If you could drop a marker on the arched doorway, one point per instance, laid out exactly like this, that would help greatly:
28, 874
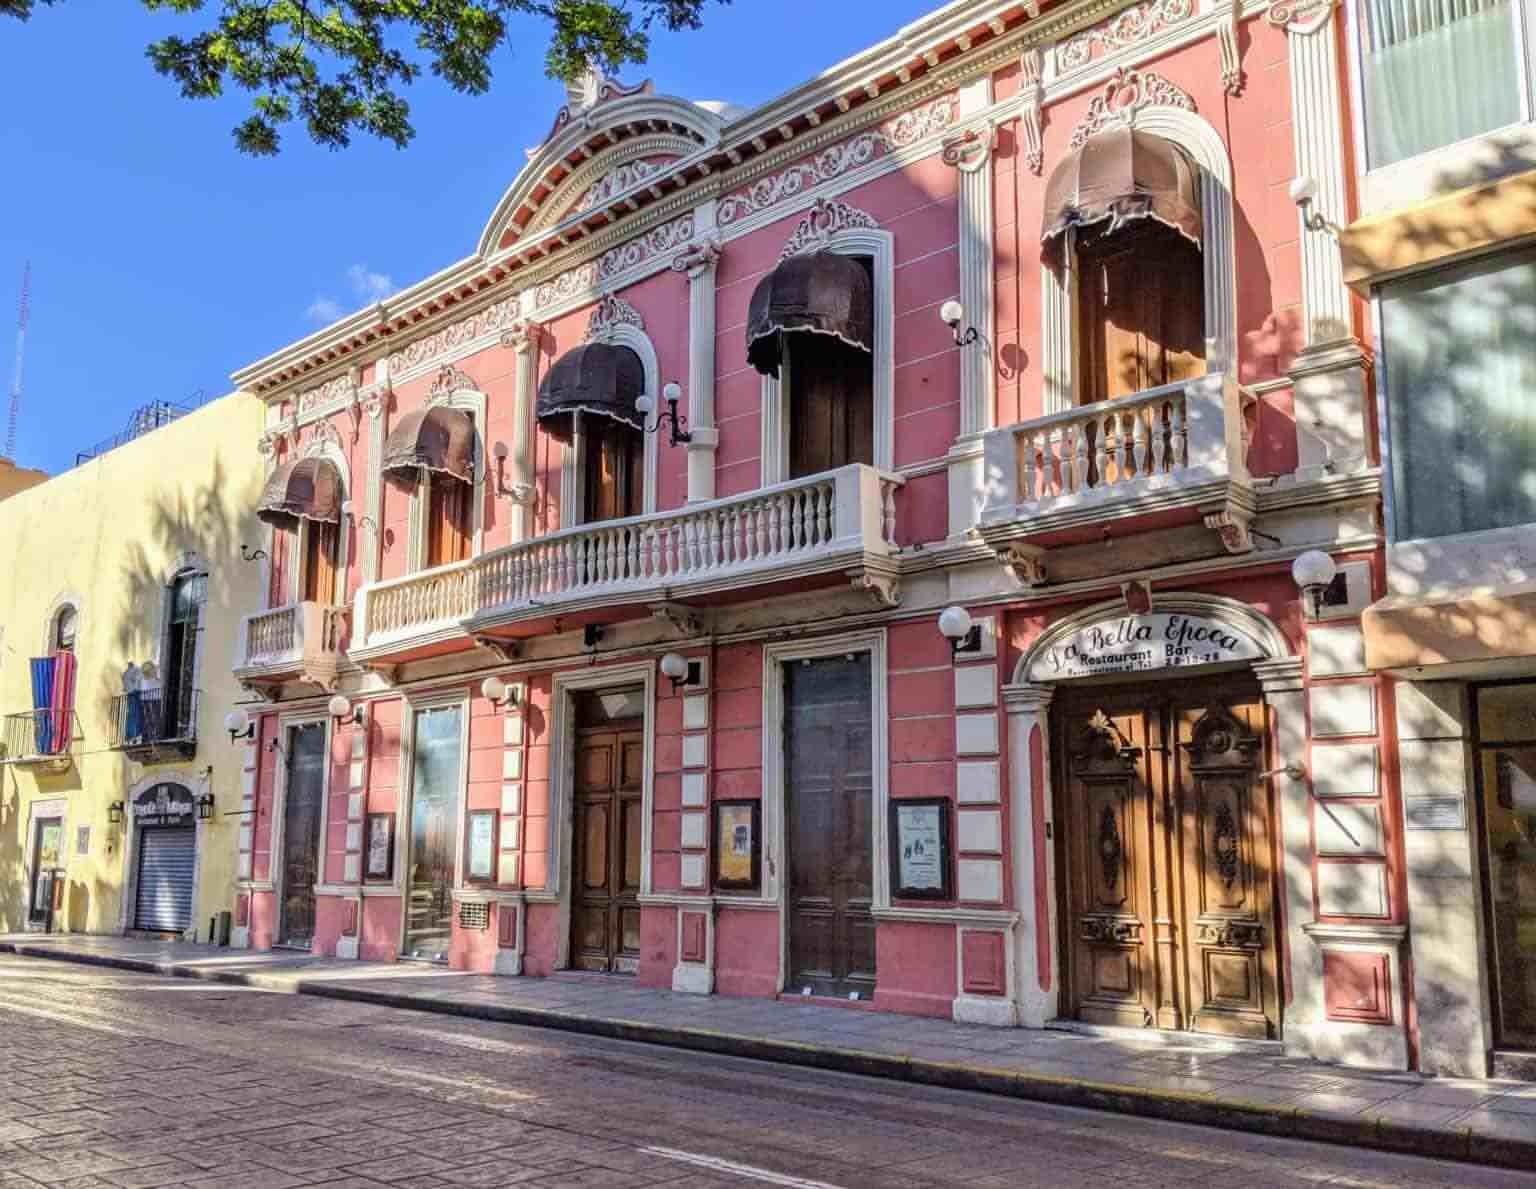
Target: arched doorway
165, 859
1155, 849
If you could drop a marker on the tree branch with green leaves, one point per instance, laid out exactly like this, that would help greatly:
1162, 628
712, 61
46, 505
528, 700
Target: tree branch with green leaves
341, 67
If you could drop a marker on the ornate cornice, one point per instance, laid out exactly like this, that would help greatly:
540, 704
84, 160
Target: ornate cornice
450, 338
1127, 28
629, 255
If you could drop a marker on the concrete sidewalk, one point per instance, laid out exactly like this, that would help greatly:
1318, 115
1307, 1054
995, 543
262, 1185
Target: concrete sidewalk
1238, 1085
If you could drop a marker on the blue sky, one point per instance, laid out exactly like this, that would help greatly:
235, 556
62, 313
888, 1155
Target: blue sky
162, 259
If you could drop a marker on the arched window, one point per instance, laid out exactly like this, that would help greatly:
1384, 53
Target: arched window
434, 451
302, 502
588, 400
1123, 226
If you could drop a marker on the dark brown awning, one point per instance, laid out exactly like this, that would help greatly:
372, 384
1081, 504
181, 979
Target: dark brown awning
816, 293
596, 380
305, 489
1122, 175
434, 439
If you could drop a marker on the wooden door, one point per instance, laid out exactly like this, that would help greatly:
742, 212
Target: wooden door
829, 807
450, 520
831, 404
1166, 853
615, 470
319, 562
1141, 312
302, 794
605, 915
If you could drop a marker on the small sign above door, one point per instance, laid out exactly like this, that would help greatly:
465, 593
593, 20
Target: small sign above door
163, 805
1142, 643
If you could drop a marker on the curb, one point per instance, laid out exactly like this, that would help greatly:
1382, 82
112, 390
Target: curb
1205, 1110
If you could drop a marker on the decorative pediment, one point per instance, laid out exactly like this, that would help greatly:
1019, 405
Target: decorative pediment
1219, 740
1126, 94
610, 313
822, 222
450, 380
583, 95
321, 435
1102, 748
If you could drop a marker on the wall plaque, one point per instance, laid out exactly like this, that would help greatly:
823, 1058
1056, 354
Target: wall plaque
381, 846
736, 845
1140, 643
1435, 813
920, 852
482, 844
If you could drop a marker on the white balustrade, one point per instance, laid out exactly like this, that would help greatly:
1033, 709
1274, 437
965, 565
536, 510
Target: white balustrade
402, 606
1182, 434
289, 635
269, 635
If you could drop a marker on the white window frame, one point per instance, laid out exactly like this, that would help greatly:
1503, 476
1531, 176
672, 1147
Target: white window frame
1218, 254
573, 462
880, 247
1415, 178
474, 402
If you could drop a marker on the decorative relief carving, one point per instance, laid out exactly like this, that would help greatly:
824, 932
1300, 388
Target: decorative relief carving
1032, 91
1123, 96
1026, 561
699, 258
585, 93
1224, 845
1111, 849
1127, 28
336, 388
454, 336
1300, 16
1232, 525
1113, 930
1230, 934
656, 242
618, 179
968, 151
449, 380
610, 313
523, 335
321, 435
1226, 38
905, 130
823, 221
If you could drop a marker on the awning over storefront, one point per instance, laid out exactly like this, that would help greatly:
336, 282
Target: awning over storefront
595, 380
1461, 627
815, 293
434, 439
305, 489
1122, 175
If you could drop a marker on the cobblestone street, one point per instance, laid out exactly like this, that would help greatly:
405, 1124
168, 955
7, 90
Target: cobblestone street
128, 1080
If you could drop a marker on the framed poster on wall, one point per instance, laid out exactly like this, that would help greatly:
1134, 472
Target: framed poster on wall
920, 849
379, 857
736, 845
482, 845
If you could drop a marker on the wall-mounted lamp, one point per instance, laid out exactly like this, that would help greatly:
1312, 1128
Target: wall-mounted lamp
239, 725
346, 510
205, 807
341, 709
646, 405
956, 626
680, 671
953, 313
115, 813
1303, 194
249, 554
1313, 572
498, 692
591, 634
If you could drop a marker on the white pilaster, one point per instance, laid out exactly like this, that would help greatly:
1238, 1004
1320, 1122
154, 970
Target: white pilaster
699, 262
1027, 706
524, 338
372, 533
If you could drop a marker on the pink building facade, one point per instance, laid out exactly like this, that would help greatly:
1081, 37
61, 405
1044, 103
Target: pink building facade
549, 685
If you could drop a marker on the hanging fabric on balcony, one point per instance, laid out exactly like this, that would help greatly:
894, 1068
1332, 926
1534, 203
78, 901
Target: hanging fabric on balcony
305, 489
436, 438
814, 293
1118, 176
42, 701
595, 380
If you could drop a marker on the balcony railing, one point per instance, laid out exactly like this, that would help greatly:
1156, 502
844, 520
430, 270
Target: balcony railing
305, 641
45, 737
147, 722
827, 522
1175, 444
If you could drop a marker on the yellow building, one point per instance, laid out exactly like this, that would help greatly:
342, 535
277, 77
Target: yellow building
14, 478
122, 592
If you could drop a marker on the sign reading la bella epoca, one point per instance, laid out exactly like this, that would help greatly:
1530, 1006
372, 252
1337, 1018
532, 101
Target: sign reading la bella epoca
1140, 643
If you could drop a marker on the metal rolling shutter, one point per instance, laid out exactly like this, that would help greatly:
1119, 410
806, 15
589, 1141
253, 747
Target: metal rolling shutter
164, 898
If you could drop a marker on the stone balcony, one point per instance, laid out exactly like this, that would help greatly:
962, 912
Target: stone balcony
1169, 456
302, 642
835, 527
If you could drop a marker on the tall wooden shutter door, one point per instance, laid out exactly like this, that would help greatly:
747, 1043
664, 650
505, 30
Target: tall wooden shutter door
320, 563
163, 901
615, 456
831, 413
447, 520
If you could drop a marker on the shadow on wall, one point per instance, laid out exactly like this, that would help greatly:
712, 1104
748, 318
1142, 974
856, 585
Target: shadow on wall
12, 893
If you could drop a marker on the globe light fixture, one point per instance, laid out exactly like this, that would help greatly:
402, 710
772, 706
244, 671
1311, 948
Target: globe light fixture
239, 725
1313, 572
956, 626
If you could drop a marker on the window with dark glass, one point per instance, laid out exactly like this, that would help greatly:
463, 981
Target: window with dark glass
188, 594
64, 630
1459, 361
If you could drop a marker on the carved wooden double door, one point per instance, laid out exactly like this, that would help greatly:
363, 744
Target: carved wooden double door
1166, 856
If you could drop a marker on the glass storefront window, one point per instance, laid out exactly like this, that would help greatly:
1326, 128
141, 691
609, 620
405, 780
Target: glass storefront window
1507, 759
435, 798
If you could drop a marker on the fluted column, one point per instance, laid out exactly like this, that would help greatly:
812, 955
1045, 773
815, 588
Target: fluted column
698, 262
523, 338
